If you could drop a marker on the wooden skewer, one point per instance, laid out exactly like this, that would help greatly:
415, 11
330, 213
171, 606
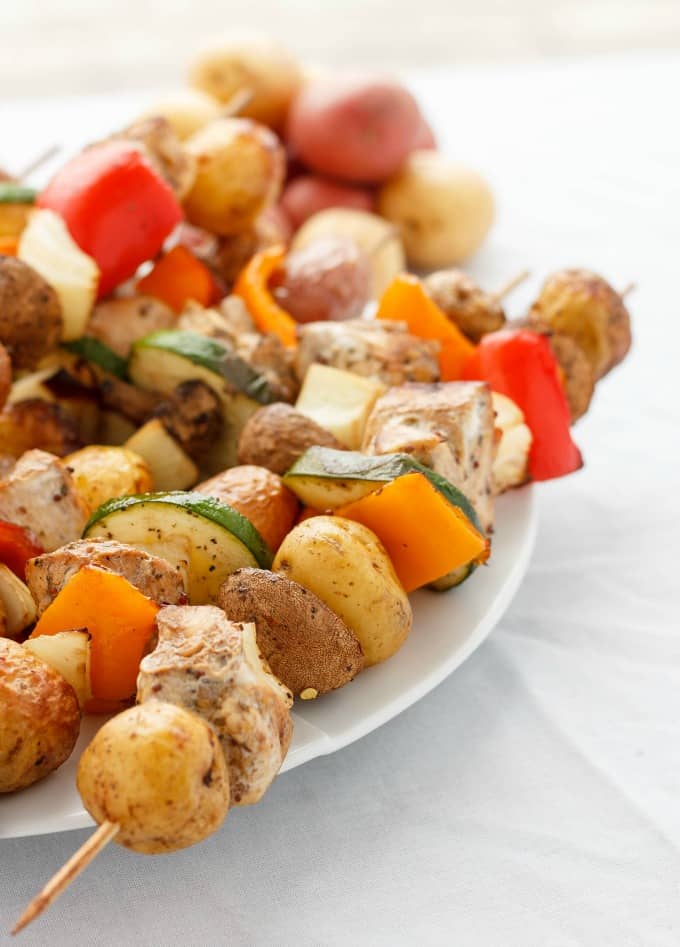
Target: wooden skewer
237, 102
67, 873
628, 289
38, 161
510, 285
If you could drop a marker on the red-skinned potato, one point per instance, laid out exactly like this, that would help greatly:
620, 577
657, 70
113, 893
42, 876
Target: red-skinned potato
309, 193
355, 128
425, 140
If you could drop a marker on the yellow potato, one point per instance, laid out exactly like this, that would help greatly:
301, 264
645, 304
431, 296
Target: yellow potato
159, 772
375, 237
101, 473
240, 169
443, 210
186, 111
345, 565
249, 63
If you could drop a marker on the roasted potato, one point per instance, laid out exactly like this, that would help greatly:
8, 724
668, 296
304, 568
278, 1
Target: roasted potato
240, 168
186, 111
5, 375
277, 435
101, 473
306, 645
39, 717
355, 128
159, 773
253, 64
377, 238
465, 303
442, 209
577, 372
583, 305
18, 607
309, 193
30, 313
346, 566
330, 278
260, 495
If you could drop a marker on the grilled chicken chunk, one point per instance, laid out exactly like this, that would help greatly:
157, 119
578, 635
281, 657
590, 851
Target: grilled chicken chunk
212, 666
448, 427
46, 575
384, 351
118, 323
40, 495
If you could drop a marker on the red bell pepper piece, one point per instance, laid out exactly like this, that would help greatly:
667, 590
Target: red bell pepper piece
117, 207
520, 364
17, 547
179, 277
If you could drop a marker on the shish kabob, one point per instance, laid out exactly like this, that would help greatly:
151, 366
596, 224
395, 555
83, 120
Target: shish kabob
210, 730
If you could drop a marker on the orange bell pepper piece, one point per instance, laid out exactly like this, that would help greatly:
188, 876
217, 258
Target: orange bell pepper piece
252, 287
178, 277
120, 620
405, 300
425, 536
8, 246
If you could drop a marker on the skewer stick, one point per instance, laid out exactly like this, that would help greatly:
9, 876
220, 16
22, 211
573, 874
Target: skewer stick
510, 285
67, 873
38, 161
237, 102
628, 289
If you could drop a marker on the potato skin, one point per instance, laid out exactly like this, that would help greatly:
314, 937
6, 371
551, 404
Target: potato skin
330, 278
305, 644
39, 717
276, 435
258, 64
259, 495
5, 374
583, 305
158, 771
466, 304
309, 193
102, 473
239, 173
355, 128
442, 209
346, 566
30, 313
375, 236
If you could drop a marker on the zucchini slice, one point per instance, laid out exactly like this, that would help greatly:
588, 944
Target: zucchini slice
13, 193
164, 359
215, 538
326, 479
92, 350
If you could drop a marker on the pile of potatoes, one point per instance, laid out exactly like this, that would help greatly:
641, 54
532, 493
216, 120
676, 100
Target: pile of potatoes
284, 153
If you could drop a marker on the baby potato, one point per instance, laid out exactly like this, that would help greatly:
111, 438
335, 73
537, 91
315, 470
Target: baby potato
158, 771
346, 566
309, 193
239, 173
186, 111
352, 127
260, 496
583, 305
254, 64
442, 209
102, 473
330, 278
39, 717
373, 235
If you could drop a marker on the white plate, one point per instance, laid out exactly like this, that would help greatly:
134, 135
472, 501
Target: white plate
447, 628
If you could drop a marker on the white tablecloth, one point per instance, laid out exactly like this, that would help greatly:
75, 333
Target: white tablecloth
533, 799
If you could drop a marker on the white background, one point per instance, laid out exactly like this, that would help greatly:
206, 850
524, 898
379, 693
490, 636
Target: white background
533, 799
